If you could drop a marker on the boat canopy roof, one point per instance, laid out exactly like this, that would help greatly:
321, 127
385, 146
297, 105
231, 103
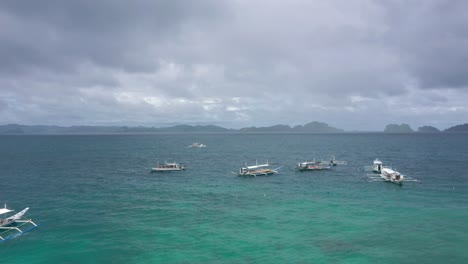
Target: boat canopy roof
258, 166
5, 210
389, 171
310, 162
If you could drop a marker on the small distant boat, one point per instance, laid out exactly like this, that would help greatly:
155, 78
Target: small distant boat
313, 165
10, 227
197, 145
257, 170
386, 173
168, 167
334, 162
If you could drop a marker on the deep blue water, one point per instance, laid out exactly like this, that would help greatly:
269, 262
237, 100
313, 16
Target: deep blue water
96, 201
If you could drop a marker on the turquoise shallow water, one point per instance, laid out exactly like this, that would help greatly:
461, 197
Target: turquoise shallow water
97, 202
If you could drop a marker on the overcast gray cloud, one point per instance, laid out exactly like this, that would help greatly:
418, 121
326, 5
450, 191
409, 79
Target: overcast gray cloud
357, 65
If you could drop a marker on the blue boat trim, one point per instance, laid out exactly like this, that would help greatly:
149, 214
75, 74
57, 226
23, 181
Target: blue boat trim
19, 233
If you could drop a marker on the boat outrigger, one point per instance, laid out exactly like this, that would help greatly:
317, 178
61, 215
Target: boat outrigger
10, 227
257, 170
387, 174
168, 167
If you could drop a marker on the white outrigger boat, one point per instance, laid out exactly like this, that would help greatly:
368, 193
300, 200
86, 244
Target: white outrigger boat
168, 167
257, 170
197, 145
392, 176
10, 226
387, 174
313, 165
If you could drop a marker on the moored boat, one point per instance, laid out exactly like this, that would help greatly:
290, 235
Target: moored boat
197, 145
168, 167
388, 174
313, 165
257, 170
14, 225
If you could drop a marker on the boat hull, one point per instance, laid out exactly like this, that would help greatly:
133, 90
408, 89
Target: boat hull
10, 220
257, 173
314, 168
165, 169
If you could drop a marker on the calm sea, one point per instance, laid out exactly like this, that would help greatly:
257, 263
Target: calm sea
96, 201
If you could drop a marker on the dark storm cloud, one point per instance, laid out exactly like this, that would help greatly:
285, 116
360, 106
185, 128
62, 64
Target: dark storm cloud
432, 39
251, 62
116, 34
3, 105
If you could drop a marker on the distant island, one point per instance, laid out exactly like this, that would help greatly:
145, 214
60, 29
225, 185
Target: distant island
458, 128
405, 128
394, 128
312, 127
428, 129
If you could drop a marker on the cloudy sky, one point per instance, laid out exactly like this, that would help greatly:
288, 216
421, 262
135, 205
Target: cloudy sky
357, 65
